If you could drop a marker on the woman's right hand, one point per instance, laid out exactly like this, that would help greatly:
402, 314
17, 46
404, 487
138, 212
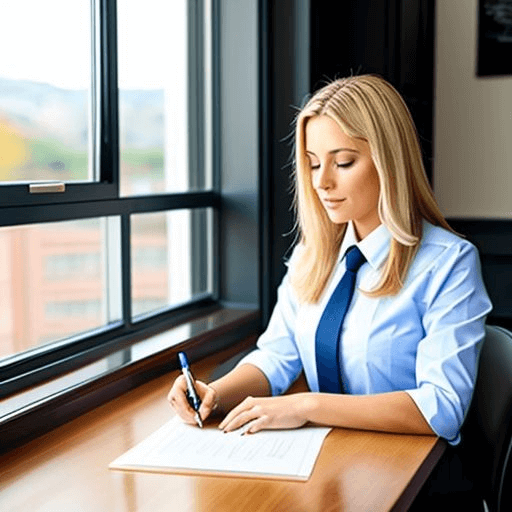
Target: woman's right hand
178, 399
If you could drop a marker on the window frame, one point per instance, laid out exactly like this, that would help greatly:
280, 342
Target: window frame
101, 199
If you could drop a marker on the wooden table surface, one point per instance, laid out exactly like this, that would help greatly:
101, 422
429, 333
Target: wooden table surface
67, 469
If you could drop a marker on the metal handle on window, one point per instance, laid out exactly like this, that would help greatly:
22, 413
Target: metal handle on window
46, 188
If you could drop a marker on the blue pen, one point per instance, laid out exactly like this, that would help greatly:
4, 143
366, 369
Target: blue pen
192, 397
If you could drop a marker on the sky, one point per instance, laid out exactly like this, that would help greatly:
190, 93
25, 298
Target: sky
49, 41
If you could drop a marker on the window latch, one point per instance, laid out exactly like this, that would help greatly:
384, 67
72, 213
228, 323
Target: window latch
47, 188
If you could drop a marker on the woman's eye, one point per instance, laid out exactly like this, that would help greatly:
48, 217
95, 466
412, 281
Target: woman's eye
344, 165
315, 167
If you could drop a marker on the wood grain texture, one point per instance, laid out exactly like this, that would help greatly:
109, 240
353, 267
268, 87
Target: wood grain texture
67, 469
44, 407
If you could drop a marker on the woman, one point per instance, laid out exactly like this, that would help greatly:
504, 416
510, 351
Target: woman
410, 340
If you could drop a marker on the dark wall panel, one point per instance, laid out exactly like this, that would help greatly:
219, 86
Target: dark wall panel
393, 38
284, 64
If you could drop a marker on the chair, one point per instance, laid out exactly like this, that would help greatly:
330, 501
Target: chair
487, 432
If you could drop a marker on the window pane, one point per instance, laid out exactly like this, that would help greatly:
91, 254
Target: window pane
53, 279
171, 258
45, 77
154, 91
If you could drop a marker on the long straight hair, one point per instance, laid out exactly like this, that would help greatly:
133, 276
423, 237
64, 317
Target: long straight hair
369, 108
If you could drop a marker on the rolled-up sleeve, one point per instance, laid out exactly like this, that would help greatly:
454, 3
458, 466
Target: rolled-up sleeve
277, 355
456, 305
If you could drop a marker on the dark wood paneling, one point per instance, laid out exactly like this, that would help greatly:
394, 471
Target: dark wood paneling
393, 38
284, 77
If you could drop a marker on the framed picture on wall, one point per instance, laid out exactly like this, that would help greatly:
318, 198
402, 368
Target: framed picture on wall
494, 55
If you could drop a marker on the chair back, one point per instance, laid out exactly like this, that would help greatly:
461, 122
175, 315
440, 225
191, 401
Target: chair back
487, 431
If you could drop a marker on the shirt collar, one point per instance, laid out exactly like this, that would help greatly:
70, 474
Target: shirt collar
375, 246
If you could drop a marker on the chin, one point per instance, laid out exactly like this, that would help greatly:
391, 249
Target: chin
338, 219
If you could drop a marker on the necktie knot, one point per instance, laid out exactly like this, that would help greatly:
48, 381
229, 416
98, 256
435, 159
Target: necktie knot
354, 259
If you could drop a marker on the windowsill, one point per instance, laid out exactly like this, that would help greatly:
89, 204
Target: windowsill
31, 413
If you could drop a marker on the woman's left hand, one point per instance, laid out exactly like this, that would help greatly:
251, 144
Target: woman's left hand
256, 414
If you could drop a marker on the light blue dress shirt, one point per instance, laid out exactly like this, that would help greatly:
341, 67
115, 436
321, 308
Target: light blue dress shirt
425, 340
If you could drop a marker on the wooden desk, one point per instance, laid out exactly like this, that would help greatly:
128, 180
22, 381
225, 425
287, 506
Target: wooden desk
67, 469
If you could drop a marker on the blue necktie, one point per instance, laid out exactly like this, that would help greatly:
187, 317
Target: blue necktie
329, 328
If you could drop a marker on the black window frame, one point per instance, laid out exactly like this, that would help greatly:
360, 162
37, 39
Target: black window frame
101, 199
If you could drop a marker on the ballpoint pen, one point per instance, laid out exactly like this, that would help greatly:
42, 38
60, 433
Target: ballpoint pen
192, 397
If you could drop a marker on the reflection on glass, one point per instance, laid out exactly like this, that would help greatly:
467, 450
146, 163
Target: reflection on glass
154, 98
45, 77
171, 258
53, 279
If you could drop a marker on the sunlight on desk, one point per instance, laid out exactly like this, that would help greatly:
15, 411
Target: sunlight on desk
67, 469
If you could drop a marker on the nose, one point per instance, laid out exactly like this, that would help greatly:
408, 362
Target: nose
322, 178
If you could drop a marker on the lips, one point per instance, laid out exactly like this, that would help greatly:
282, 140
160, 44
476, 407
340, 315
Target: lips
332, 202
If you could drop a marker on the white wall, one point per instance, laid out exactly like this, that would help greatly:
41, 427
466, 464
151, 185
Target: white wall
473, 122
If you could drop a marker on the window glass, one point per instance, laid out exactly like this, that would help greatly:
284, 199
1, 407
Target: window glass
64, 280
53, 279
45, 91
155, 124
171, 258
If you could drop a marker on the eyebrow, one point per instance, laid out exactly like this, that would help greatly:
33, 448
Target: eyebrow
333, 151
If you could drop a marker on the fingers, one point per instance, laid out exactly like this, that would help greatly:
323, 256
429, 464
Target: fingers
233, 414
256, 414
208, 397
177, 397
256, 425
242, 414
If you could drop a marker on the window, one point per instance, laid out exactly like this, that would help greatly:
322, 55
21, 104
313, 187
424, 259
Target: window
171, 258
154, 112
106, 174
54, 281
46, 92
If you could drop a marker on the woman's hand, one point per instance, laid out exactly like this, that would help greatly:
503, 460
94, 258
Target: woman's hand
178, 399
288, 411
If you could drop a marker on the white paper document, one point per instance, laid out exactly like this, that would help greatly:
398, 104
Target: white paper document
180, 448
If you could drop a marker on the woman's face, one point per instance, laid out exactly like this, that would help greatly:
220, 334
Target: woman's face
343, 175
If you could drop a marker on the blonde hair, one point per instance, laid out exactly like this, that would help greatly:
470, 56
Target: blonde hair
369, 108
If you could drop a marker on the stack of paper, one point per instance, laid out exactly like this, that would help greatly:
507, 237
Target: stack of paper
180, 448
